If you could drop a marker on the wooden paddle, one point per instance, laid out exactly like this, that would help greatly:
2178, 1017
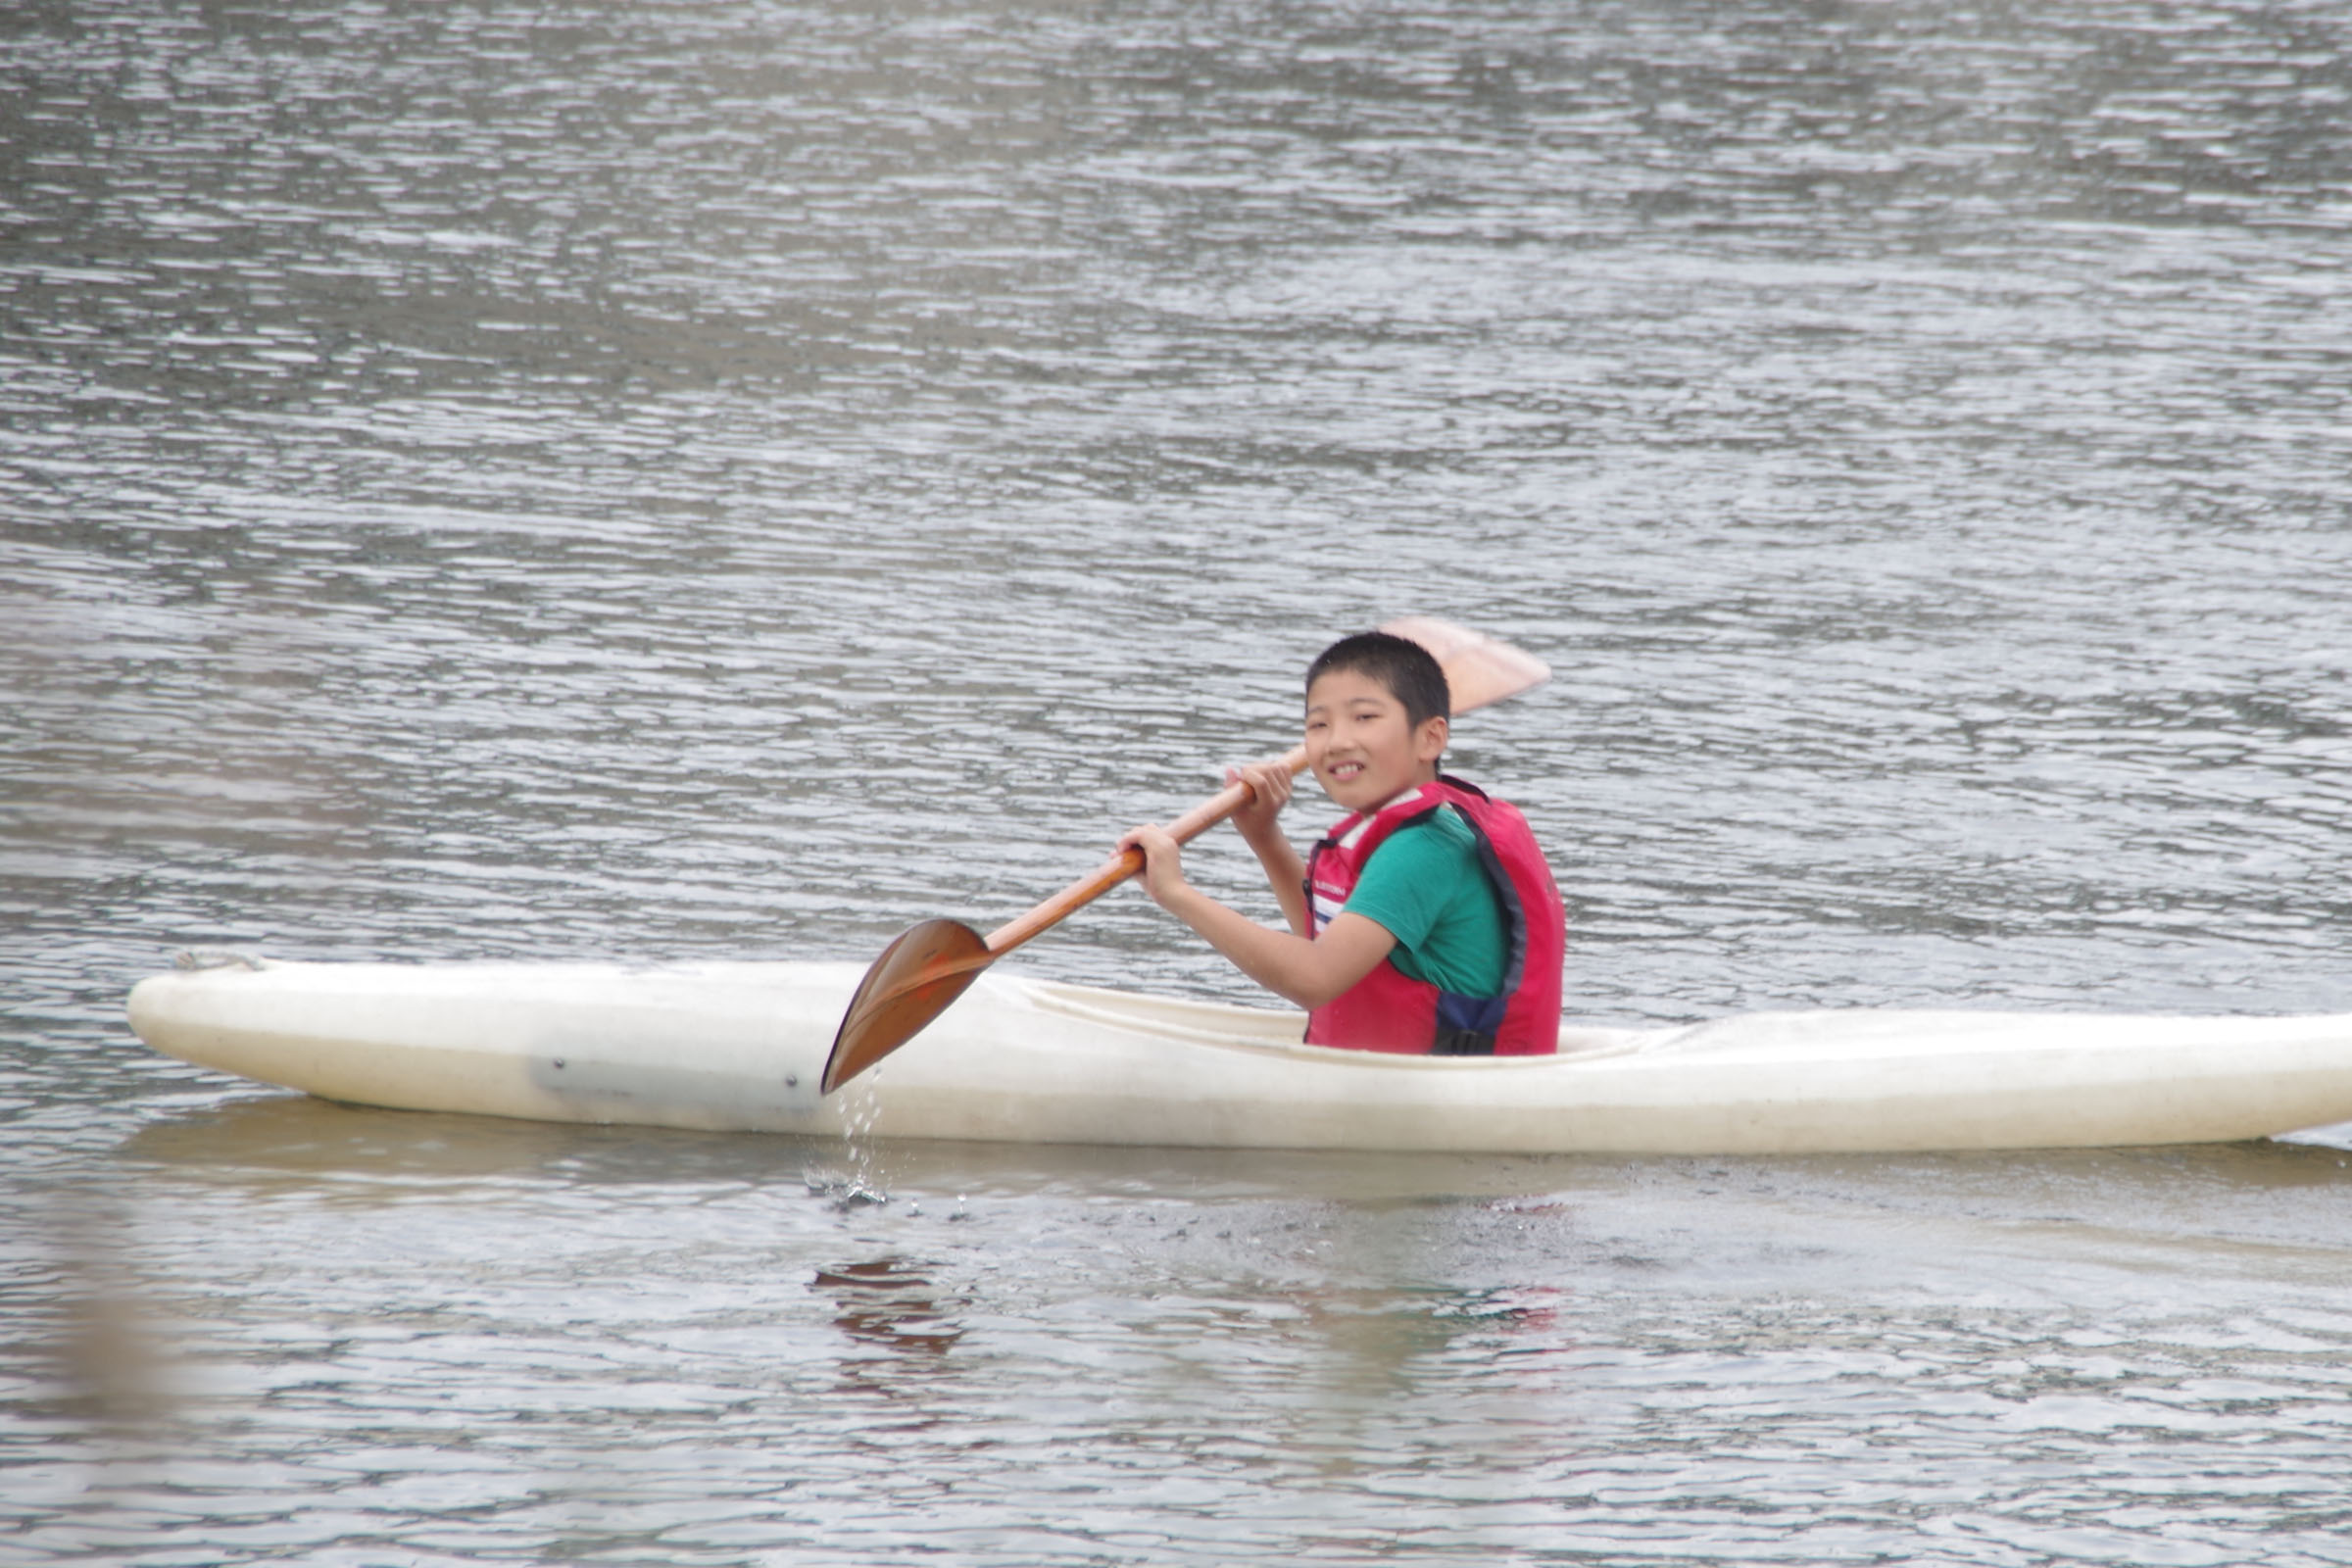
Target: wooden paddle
929, 964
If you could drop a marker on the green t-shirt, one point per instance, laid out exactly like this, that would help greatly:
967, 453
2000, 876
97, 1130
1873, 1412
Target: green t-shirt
1426, 886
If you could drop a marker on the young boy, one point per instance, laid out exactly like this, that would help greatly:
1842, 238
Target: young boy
1426, 922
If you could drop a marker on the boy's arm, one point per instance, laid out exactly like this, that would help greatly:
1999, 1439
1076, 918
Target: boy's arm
1286, 873
1304, 971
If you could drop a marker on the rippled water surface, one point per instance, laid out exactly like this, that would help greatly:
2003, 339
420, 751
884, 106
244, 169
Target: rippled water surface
730, 479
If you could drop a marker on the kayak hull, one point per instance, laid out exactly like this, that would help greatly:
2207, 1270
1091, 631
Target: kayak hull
739, 1047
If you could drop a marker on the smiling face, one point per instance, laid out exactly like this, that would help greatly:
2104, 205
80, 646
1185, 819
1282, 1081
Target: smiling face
1359, 740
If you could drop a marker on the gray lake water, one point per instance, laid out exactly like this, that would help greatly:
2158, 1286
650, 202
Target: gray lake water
730, 479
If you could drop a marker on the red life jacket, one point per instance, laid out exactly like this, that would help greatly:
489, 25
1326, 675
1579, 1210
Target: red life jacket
1387, 1010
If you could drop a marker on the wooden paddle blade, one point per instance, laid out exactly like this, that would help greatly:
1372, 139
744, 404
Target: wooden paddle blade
925, 967
1478, 669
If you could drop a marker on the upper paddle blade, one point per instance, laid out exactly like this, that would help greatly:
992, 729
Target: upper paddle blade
925, 969
1478, 669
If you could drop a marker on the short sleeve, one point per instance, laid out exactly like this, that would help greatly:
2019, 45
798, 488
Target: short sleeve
1426, 887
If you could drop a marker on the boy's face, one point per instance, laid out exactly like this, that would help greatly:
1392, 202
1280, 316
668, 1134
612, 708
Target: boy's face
1357, 741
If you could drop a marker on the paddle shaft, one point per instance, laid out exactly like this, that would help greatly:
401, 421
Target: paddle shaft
1124, 865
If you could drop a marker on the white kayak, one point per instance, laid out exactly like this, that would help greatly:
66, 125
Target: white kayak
738, 1048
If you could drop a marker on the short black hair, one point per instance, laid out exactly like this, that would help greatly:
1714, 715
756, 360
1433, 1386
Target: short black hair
1410, 672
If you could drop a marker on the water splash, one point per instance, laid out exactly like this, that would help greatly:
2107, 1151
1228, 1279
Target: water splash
863, 1184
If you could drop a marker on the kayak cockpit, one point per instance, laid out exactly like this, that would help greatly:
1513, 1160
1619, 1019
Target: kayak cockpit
1229, 1024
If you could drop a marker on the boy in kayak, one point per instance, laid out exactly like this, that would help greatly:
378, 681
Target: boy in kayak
1427, 921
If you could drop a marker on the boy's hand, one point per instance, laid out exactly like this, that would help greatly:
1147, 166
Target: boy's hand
1164, 862
1269, 792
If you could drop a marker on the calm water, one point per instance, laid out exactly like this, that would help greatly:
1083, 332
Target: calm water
730, 479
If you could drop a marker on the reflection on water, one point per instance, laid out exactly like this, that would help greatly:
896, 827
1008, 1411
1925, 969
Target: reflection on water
892, 1303
729, 479
659, 1338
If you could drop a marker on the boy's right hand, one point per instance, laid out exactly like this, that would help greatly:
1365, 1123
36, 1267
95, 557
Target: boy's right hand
1269, 792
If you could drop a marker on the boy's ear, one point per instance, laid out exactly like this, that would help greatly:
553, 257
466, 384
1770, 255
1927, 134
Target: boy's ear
1429, 740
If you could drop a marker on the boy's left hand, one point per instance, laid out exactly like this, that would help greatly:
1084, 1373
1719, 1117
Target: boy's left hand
1269, 792
1164, 862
